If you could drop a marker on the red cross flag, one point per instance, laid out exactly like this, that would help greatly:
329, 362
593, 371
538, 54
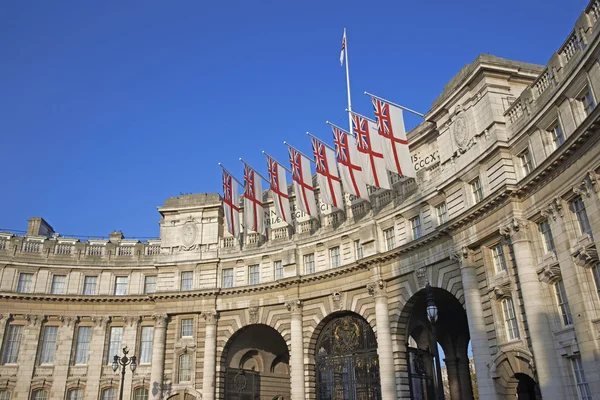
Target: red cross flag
347, 158
253, 206
230, 205
327, 174
278, 182
370, 148
301, 175
390, 124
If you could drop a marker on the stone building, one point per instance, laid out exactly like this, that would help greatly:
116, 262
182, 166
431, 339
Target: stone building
502, 220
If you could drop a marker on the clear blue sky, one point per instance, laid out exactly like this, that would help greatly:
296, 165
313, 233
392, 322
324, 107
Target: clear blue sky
109, 108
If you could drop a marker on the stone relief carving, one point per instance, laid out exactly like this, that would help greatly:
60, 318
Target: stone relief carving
421, 276
294, 305
585, 253
516, 229
189, 234
461, 132
253, 312
210, 316
160, 320
337, 301
553, 209
377, 288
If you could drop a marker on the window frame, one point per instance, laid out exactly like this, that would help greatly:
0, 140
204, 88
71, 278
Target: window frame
586, 101
335, 260
526, 161
186, 323
53, 284
86, 283
442, 217
35, 392
511, 324
21, 282
48, 347
476, 190
155, 277
70, 394
145, 349
9, 341
184, 278
581, 382
278, 269
118, 291
188, 368
309, 263
254, 274
112, 343
499, 258
562, 302
389, 235
547, 237
557, 133
224, 278
145, 393
359, 250
79, 350
583, 221
105, 390
415, 227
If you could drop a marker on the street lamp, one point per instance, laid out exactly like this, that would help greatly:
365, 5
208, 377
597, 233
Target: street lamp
124, 362
432, 314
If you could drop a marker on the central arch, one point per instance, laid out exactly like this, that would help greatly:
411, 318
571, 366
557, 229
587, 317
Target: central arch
346, 361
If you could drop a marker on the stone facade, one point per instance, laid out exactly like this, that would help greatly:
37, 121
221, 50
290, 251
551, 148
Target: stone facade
503, 221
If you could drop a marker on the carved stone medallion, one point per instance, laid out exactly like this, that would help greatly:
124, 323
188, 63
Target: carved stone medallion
189, 232
460, 130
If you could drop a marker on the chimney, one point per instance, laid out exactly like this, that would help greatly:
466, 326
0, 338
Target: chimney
116, 236
37, 226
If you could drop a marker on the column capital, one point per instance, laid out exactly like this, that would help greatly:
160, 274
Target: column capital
462, 255
210, 316
377, 288
553, 209
294, 306
160, 320
516, 229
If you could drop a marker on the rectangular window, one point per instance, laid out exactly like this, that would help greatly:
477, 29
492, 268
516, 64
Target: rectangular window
89, 285
334, 256
358, 249
187, 327
227, 277
25, 283
477, 190
544, 228
150, 284
82, 349
442, 213
390, 239
114, 344
596, 273
499, 259
58, 284
415, 225
309, 263
278, 266
187, 280
578, 208
586, 100
510, 319
583, 389
526, 162
563, 304
557, 134
185, 368
253, 274
146, 344
13, 342
48, 344
4, 395
121, 285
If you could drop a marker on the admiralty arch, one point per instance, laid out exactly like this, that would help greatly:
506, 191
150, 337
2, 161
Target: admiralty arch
502, 221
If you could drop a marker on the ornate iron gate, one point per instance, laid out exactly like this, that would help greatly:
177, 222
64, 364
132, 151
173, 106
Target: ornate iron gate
347, 366
420, 372
241, 384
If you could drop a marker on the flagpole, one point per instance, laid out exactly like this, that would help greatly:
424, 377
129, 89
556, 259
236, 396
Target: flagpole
322, 142
397, 105
255, 171
280, 164
301, 153
348, 82
341, 129
230, 174
360, 115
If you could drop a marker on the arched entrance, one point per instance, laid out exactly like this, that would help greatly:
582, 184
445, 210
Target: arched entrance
527, 389
346, 361
255, 365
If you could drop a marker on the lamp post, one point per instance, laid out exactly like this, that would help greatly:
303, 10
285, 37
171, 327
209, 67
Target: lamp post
124, 362
432, 314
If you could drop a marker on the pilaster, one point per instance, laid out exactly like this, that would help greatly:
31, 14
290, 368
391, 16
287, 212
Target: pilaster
210, 353
297, 350
158, 356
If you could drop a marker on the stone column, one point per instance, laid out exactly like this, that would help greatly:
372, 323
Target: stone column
477, 327
158, 356
464, 376
540, 331
453, 376
387, 372
210, 355
297, 350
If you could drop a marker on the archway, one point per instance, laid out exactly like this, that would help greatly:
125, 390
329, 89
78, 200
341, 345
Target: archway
512, 371
527, 389
255, 365
452, 336
346, 361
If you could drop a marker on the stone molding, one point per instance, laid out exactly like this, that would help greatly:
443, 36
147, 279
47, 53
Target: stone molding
294, 306
516, 230
377, 288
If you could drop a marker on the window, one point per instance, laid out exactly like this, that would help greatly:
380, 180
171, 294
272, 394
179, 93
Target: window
228, 277
334, 256
278, 266
544, 228
253, 275
596, 273
477, 190
82, 349
39, 394
114, 345
150, 284
25, 283
358, 249
75, 394
499, 260
557, 134
187, 327
89, 285
58, 284
442, 213
187, 280
563, 304
415, 225
526, 162
185, 368
48, 344
121, 285
146, 344
510, 319
578, 208
582, 386
141, 394
109, 394
4, 395
13, 342
586, 100
390, 238
309, 263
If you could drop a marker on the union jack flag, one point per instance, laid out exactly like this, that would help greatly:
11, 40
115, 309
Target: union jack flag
384, 123
230, 207
296, 162
361, 128
249, 179
320, 156
227, 185
273, 173
305, 197
340, 139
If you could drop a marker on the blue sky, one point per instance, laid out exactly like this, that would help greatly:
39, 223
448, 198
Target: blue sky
109, 108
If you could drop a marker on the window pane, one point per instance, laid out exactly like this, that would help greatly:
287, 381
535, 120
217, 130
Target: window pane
114, 346
121, 285
48, 345
146, 344
187, 280
185, 368
499, 260
278, 270
149, 284
58, 284
187, 327
39, 395
253, 275
13, 342
578, 208
390, 239
580, 379
228, 277
334, 256
358, 249
546, 233
84, 336
109, 394
4, 395
510, 319
415, 224
89, 285
558, 137
76, 394
141, 394
309, 263
563, 304
442, 213
25, 283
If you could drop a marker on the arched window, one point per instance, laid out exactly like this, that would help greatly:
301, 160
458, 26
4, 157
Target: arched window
185, 368
4, 395
141, 394
39, 394
75, 394
109, 394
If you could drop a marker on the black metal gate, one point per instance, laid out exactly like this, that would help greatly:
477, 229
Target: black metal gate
242, 384
347, 366
420, 372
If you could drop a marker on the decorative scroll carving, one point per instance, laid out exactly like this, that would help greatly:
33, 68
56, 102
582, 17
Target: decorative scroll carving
210, 316
160, 320
553, 209
67, 320
377, 288
294, 306
501, 286
516, 229
585, 253
594, 179
253, 311
189, 234
582, 189
337, 301
549, 272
